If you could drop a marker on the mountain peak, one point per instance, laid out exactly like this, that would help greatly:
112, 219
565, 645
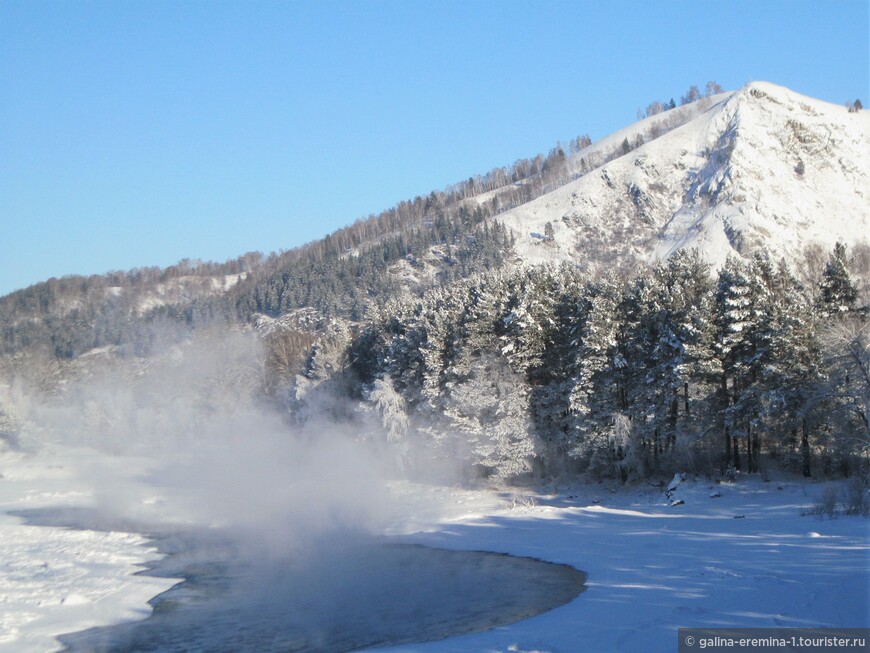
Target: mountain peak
759, 167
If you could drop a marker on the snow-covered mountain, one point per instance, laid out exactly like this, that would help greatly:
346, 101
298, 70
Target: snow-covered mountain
760, 167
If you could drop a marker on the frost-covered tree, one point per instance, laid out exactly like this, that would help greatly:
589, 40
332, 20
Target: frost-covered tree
736, 316
837, 290
692, 95
789, 365
680, 363
595, 393
328, 355
525, 325
712, 88
322, 387
9, 421
543, 370
846, 351
390, 405
768, 351
493, 408
665, 346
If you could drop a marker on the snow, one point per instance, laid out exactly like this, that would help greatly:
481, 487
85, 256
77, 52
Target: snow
762, 166
748, 557
54, 580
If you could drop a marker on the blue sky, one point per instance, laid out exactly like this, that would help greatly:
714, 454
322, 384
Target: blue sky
139, 133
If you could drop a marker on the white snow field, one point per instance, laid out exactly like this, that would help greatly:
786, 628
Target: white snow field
745, 558
740, 554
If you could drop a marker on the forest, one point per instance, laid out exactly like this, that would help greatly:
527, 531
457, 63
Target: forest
418, 326
544, 373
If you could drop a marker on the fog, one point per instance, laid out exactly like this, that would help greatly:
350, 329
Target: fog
276, 528
205, 450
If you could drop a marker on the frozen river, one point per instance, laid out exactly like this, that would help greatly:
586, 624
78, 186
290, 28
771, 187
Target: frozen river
69, 575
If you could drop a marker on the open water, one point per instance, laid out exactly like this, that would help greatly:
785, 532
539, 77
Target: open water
343, 594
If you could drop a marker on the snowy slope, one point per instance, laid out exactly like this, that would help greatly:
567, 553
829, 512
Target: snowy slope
763, 166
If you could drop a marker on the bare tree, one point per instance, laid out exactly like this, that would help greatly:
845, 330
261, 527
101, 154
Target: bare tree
713, 88
846, 344
286, 351
692, 95
809, 272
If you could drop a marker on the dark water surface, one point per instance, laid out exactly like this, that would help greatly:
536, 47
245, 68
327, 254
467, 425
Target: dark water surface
343, 594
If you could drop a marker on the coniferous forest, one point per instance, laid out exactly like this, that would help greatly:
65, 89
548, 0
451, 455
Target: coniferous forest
542, 372
421, 327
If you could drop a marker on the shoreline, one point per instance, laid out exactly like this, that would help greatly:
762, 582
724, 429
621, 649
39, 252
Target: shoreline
53, 579
733, 554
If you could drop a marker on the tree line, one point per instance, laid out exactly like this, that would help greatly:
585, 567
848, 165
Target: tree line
544, 372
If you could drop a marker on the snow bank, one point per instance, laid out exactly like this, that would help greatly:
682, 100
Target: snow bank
54, 580
747, 558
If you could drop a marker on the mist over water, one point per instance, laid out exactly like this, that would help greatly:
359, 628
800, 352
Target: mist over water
349, 596
274, 528
208, 452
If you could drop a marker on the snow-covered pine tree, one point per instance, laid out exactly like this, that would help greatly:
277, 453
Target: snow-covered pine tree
838, 291
551, 381
595, 397
768, 350
789, 363
680, 362
637, 339
736, 315
485, 397
528, 320
441, 313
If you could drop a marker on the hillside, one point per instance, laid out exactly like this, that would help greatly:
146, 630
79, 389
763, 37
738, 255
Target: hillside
761, 167
727, 174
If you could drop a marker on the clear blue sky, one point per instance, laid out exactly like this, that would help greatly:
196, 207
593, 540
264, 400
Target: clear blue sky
140, 133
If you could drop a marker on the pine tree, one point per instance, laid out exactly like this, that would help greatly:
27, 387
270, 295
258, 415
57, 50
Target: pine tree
682, 354
790, 372
595, 396
735, 316
550, 381
769, 355
838, 292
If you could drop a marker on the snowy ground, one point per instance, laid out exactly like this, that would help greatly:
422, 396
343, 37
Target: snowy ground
54, 580
745, 558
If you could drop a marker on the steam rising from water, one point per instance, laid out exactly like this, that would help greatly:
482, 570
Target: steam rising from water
272, 527
210, 453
